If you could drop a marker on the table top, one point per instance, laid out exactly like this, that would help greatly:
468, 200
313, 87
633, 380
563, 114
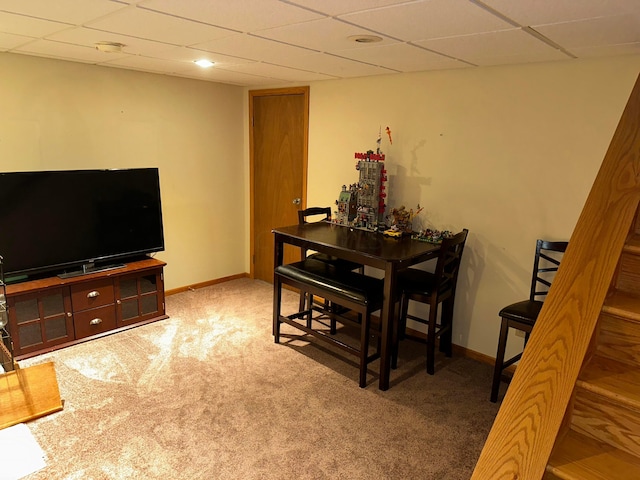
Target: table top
345, 242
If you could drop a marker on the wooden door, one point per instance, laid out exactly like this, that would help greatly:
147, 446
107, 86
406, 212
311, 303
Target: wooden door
278, 150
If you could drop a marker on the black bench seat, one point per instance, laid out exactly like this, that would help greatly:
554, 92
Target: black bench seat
344, 285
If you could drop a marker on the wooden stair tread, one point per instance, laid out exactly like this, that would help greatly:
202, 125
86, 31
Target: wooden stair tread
578, 457
632, 244
615, 380
623, 305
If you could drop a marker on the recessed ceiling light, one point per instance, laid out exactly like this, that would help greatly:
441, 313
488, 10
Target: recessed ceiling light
365, 38
203, 63
109, 47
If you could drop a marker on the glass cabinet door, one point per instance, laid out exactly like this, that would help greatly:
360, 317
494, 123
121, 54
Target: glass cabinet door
139, 297
40, 320
6, 346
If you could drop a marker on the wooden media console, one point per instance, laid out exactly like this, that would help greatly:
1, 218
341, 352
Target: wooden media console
53, 312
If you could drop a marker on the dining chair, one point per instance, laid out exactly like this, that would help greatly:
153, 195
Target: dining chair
431, 289
319, 214
325, 215
522, 315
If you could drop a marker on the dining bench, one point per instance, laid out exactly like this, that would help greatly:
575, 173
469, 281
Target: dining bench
357, 292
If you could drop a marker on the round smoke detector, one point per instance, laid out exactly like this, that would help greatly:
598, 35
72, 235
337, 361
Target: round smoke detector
365, 38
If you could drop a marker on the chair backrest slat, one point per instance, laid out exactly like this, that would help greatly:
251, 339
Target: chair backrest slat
545, 265
448, 265
313, 211
304, 214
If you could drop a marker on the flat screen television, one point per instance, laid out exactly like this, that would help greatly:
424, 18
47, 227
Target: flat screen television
77, 221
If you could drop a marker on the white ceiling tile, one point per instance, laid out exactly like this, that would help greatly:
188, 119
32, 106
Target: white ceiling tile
147, 64
90, 36
9, 41
75, 12
66, 51
521, 59
311, 37
19, 24
278, 72
140, 23
249, 46
401, 57
428, 19
594, 32
608, 50
240, 15
338, 7
327, 35
228, 77
332, 65
539, 12
488, 48
190, 55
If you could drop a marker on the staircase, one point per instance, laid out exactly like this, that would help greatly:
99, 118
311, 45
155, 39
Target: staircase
572, 410
602, 436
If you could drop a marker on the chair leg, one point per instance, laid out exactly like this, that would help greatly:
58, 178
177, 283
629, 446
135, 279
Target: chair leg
394, 335
497, 371
402, 318
431, 338
446, 327
303, 300
277, 300
306, 303
365, 328
332, 308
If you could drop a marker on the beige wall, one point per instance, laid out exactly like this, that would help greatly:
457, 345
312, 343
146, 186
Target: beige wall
508, 152
60, 115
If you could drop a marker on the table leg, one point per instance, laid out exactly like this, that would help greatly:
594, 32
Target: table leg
387, 321
278, 258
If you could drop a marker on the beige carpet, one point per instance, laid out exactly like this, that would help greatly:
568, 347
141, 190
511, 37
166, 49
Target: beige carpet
207, 394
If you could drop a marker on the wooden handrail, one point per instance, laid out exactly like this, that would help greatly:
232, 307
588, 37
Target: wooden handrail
523, 434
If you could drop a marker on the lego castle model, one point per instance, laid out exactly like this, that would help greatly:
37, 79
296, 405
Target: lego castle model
362, 205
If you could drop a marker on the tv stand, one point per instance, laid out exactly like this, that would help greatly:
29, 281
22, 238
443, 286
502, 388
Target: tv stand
91, 268
49, 313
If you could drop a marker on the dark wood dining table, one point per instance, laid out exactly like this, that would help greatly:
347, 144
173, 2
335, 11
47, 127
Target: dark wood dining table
366, 247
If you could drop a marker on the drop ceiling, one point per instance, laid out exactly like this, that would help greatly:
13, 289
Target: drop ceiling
258, 43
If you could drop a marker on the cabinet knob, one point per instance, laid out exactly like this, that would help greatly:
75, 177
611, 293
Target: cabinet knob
93, 294
95, 321
69, 314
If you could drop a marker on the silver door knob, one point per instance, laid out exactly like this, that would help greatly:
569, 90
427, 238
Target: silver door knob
297, 201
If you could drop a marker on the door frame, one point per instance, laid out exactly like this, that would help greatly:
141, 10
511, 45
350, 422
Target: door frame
304, 90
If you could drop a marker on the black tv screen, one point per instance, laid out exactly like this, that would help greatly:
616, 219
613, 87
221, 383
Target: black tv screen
60, 221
